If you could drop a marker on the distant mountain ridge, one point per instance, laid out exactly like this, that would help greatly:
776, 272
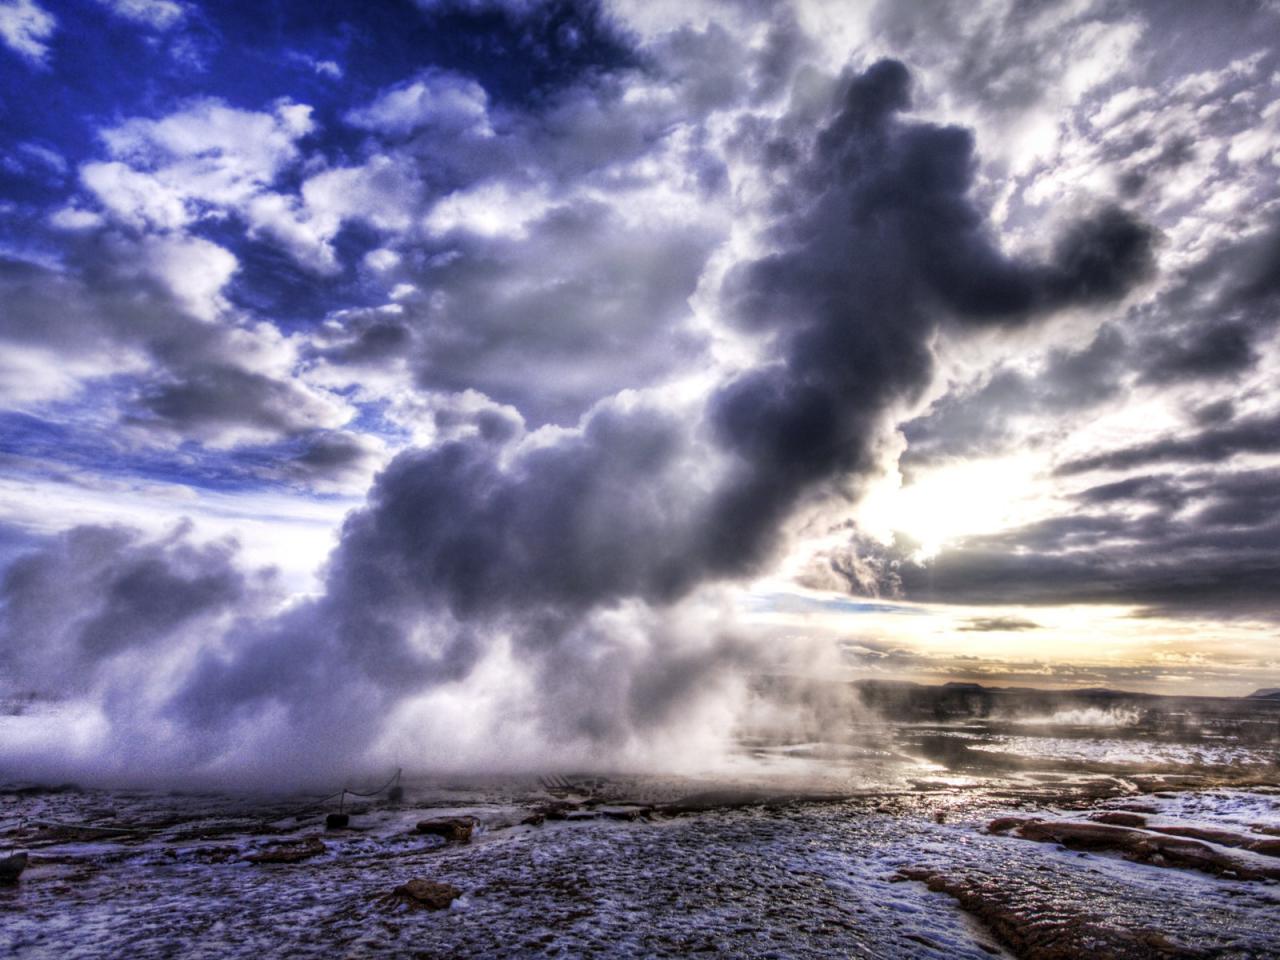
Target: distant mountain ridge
957, 700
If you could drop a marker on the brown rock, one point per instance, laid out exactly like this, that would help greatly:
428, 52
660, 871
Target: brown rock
288, 852
427, 894
1040, 931
1268, 848
1143, 846
1224, 838
555, 809
1117, 818
213, 854
455, 829
1004, 824
1081, 836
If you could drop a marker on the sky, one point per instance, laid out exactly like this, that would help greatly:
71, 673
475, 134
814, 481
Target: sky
471, 379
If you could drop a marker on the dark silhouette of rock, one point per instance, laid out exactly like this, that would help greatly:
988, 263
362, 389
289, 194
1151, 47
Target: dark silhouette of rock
337, 821
11, 867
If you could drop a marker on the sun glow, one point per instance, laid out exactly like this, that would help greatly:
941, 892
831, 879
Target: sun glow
962, 499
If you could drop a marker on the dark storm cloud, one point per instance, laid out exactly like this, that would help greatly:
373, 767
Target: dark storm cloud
1204, 327
1215, 352
548, 538
1187, 336
882, 246
555, 296
1202, 542
332, 451
609, 311
1217, 443
149, 360
992, 415
476, 537
1007, 58
217, 396
93, 593
1166, 491
1237, 578
998, 625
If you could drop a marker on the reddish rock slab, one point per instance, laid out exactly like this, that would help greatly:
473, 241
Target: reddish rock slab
454, 829
1049, 929
1119, 818
1144, 846
289, 852
427, 894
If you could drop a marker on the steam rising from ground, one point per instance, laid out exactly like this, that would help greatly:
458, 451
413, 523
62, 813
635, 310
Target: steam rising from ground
563, 597
1086, 717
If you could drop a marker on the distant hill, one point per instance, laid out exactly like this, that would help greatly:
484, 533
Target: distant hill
956, 701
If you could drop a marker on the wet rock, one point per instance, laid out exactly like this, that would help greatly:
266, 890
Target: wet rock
1268, 848
1049, 930
289, 852
1225, 838
625, 813
427, 894
453, 829
535, 819
219, 854
1005, 824
1119, 818
1081, 836
11, 867
714, 800
1143, 846
555, 809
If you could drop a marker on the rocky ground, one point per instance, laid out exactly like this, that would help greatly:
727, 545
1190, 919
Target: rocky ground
978, 856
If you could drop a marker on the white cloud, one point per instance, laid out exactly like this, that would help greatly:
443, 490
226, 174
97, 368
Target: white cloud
193, 269
136, 198
490, 210
49, 159
74, 219
208, 160
25, 27
381, 260
213, 152
436, 99
158, 14
381, 193
35, 374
